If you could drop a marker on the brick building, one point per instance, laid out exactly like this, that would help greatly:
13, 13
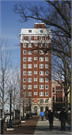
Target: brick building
36, 67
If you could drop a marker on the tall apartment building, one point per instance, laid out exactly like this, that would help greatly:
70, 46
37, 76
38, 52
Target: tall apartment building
36, 67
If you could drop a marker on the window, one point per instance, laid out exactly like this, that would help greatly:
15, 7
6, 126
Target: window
35, 37
24, 45
46, 72
46, 37
24, 58
46, 65
41, 86
41, 79
24, 72
29, 65
29, 86
24, 79
35, 44
46, 58
35, 93
29, 31
35, 86
29, 45
24, 38
29, 72
46, 79
24, 65
35, 79
46, 45
41, 65
41, 58
24, 51
29, 93
46, 100
41, 45
24, 86
46, 52
46, 93
41, 72
35, 58
41, 31
29, 52
41, 52
46, 86
24, 94
29, 38
35, 72
29, 58
41, 100
41, 93
35, 65
41, 38
35, 51
29, 79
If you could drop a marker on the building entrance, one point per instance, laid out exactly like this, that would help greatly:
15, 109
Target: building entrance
46, 108
41, 108
35, 110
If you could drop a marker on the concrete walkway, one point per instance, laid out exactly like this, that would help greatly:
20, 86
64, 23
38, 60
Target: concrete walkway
43, 128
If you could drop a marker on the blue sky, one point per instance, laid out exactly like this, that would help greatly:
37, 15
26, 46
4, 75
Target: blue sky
11, 27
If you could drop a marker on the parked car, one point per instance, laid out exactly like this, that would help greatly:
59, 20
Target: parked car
7, 117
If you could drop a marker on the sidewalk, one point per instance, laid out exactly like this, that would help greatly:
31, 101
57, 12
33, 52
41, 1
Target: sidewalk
43, 128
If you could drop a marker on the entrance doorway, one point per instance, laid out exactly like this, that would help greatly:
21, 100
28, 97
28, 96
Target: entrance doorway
35, 110
41, 108
46, 108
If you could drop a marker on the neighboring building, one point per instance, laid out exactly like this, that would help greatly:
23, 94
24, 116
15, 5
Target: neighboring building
58, 96
36, 67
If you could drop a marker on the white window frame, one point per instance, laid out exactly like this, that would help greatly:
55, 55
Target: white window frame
24, 65
29, 58
24, 51
41, 38
45, 86
46, 45
35, 37
24, 45
41, 94
29, 37
45, 94
35, 65
41, 45
24, 37
29, 79
23, 79
24, 58
30, 52
24, 72
41, 72
35, 51
35, 72
46, 79
41, 66
29, 93
46, 72
24, 87
41, 79
29, 72
41, 59
29, 45
29, 87
35, 86
41, 86
46, 65
35, 58
46, 52
41, 52
29, 66
35, 79
46, 58
35, 93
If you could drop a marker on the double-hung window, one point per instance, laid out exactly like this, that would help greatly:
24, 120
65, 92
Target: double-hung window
29, 93
35, 86
46, 93
35, 58
24, 52
29, 58
35, 65
24, 86
41, 93
24, 72
41, 58
41, 86
41, 45
24, 79
24, 38
46, 86
46, 65
35, 51
29, 72
41, 72
41, 38
24, 65
46, 45
29, 45
46, 72
29, 79
29, 86
35, 93
41, 79
30, 38
24, 45
41, 65
41, 52
35, 79
46, 79
24, 58
35, 72
29, 65
35, 37
29, 52
46, 58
